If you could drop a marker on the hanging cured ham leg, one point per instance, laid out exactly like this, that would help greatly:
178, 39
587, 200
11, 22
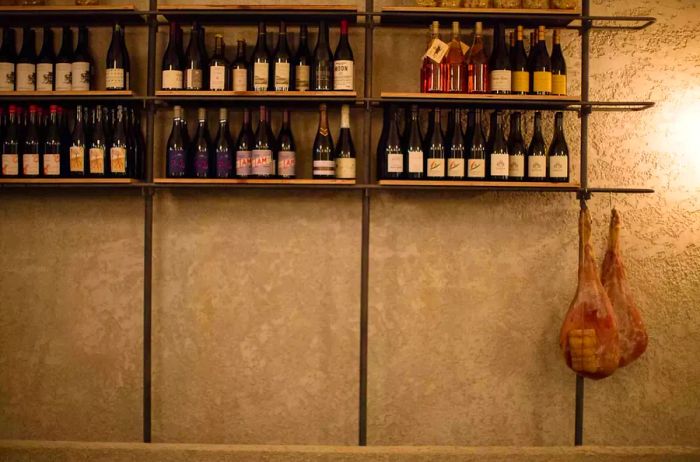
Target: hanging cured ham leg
633, 335
589, 337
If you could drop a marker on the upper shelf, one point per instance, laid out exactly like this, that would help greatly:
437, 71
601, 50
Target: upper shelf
75, 96
233, 97
483, 100
252, 13
422, 16
70, 15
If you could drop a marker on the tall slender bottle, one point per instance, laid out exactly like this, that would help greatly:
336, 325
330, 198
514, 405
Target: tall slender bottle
193, 78
520, 72
390, 155
52, 146
516, 149
8, 60
64, 61
31, 159
201, 147
498, 160
127, 61
456, 152
499, 65
323, 159
81, 64
431, 71
287, 155
558, 152
345, 163
477, 64
537, 153
469, 132
302, 62
281, 62
223, 148
218, 66
323, 61
558, 67
262, 155
343, 62
244, 147
10, 145
26, 61
239, 68
119, 163
116, 69
435, 150
541, 66
414, 157
476, 163
78, 154
176, 154
261, 61
45, 63
454, 68
173, 65
98, 146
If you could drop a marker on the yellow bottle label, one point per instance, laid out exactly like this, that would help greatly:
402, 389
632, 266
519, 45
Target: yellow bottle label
559, 84
520, 82
542, 82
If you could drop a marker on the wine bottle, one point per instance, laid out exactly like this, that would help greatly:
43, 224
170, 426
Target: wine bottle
173, 62
323, 161
52, 145
558, 67
281, 62
64, 61
476, 163
520, 72
45, 63
345, 158
499, 65
193, 78
176, 154
10, 145
65, 136
273, 140
31, 160
536, 153
323, 61
262, 154
119, 163
116, 68
223, 165
541, 66
302, 62
435, 150
8, 59
469, 132
286, 157
239, 69
559, 152
413, 150
261, 61
81, 65
218, 66
431, 70
203, 54
456, 153
138, 149
26, 62
77, 153
498, 160
202, 147
127, 61
516, 149
390, 152
244, 147
477, 64
343, 62
98, 145
454, 69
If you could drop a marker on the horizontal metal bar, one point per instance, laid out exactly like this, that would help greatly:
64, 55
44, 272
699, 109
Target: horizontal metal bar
622, 190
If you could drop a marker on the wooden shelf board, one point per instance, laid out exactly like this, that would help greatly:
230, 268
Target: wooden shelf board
479, 184
474, 96
234, 181
85, 181
495, 11
68, 93
68, 7
253, 7
281, 94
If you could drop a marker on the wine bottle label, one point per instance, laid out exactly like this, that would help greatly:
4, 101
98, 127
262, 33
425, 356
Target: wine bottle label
44, 74
117, 159
64, 76
322, 79
30, 164
415, 161
261, 162
176, 162
394, 163
97, 161
243, 163
261, 76
52, 164
436, 51
224, 164
7, 76
282, 76
81, 75
536, 166
542, 82
201, 164
516, 166
193, 79
559, 84
520, 82
286, 163
558, 166
455, 168
436, 167
240, 79
501, 81
324, 168
114, 79
303, 79
345, 168
343, 75
476, 168
464, 47
26, 77
217, 77
77, 159
172, 80
10, 164
499, 164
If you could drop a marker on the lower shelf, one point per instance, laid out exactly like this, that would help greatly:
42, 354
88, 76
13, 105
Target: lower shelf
480, 185
257, 183
69, 181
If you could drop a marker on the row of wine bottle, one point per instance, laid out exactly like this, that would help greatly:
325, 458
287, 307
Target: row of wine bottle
469, 155
102, 142
458, 68
258, 154
279, 70
70, 69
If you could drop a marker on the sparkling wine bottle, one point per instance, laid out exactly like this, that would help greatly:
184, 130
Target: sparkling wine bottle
345, 160
323, 159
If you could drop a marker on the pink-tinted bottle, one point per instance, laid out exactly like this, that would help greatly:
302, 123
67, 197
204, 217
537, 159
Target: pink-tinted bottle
431, 72
477, 64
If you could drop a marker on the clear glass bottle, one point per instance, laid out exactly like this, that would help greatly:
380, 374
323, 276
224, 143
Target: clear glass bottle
536, 4
507, 3
476, 4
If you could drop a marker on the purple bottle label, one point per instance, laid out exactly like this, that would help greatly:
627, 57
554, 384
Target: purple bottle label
201, 164
224, 164
243, 163
176, 162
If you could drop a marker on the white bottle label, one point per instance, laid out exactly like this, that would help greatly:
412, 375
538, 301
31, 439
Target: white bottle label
345, 168
52, 164
436, 167
303, 78
44, 76
77, 159
172, 80
217, 77
262, 162
476, 168
499, 164
558, 166
117, 159
536, 166
436, 51
30, 164
501, 81
7, 76
97, 161
394, 163
324, 168
243, 163
286, 163
282, 76
10, 164
261, 76
64, 76
81, 75
193, 79
516, 166
26, 77
415, 161
114, 78
343, 75
240, 79
455, 168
